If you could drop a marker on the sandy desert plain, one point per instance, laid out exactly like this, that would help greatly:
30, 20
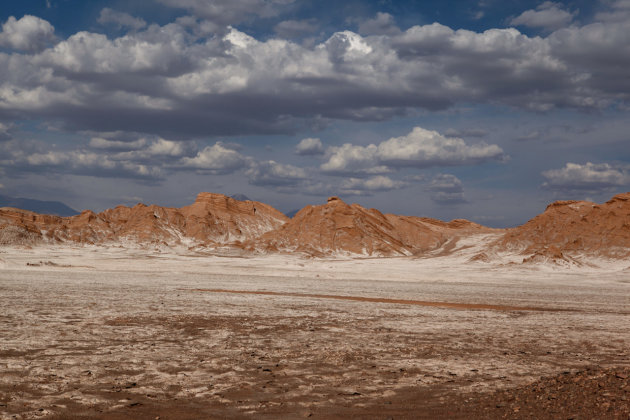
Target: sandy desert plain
104, 332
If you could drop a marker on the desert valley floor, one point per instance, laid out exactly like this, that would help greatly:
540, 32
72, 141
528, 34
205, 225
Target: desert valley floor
96, 332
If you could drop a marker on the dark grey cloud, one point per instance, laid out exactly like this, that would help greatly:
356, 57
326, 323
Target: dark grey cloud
229, 12
619, 11
446, 189
116, 145
290, 29
6, 131
381, 24
599, 53
465, 132
531, 136
120, 19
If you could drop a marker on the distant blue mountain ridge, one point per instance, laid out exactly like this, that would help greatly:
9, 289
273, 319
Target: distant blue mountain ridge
38, 206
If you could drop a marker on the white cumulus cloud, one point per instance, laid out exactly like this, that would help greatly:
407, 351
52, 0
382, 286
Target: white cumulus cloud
309, 146
165, 148
366, 186
81, 162
420, 148
274, 174
352, 159
29, 33
179, 79
587, 177
216, 159
425, 148
548, 15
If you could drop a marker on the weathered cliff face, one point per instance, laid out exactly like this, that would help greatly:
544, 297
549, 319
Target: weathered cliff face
224, 219
340, 228
213, 219
21, 227
574, 227
565, 230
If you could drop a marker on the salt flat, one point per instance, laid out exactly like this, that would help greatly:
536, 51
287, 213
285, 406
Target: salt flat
105, 332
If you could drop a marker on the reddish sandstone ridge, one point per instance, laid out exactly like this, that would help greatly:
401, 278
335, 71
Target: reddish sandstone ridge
340, 228
574, 227
213, 219
564, 232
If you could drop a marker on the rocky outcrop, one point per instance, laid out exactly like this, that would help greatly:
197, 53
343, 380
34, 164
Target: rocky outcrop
213, 219
564, 232
574, 227
339, 228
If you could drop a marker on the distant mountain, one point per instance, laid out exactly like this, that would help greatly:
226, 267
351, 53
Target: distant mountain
292, 213
240, 197
38, 206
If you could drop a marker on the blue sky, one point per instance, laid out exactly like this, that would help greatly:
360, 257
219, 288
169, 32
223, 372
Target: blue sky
485, 110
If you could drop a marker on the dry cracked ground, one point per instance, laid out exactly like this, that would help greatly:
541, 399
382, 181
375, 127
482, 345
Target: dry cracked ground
91, 333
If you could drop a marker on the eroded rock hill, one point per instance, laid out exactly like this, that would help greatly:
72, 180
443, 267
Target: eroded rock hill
566, 230
570, 228
213, 219
340, 228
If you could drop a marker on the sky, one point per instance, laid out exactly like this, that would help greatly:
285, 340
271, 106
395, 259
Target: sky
485, 109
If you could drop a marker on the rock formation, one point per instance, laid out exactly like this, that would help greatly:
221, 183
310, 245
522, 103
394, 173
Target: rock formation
213, 219
340, 228
564, 232
574, 228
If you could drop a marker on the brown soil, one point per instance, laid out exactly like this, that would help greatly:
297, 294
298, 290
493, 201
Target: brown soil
591, 393
450, 305
88, 344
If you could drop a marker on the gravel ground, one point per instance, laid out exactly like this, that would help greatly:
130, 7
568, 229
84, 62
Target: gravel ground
96, 333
